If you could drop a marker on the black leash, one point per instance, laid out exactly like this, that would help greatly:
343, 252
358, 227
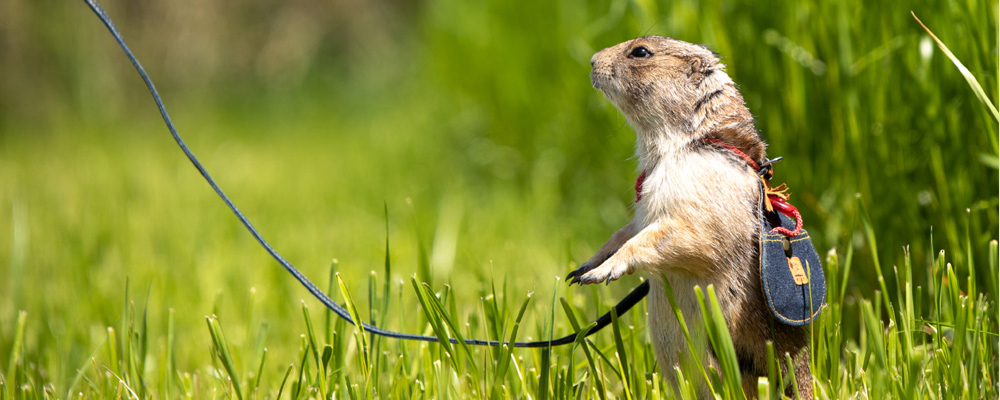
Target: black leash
637, 294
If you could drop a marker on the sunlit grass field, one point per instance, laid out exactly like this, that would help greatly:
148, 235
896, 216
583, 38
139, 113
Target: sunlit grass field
462, 150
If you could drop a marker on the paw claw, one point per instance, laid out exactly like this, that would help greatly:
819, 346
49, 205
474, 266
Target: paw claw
574, 276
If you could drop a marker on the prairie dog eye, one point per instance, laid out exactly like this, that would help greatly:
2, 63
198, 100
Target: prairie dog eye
640, 52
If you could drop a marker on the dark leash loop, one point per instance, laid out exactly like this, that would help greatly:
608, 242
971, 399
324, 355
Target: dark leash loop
634, 297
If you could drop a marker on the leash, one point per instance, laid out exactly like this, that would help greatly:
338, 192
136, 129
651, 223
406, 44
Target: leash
623, 306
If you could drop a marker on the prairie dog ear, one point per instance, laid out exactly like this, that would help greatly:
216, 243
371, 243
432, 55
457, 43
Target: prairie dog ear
701, 67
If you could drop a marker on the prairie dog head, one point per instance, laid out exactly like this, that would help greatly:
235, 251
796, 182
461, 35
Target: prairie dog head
674, 90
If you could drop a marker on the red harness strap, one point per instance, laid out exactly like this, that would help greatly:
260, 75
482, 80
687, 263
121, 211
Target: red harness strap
778, 200
638, 186
782, 206
727, 146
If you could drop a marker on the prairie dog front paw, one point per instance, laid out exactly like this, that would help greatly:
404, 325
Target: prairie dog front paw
610, 270
593, 262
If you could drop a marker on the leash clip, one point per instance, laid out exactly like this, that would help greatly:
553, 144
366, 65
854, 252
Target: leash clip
765, 168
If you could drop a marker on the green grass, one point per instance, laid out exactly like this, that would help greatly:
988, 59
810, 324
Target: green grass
441, 179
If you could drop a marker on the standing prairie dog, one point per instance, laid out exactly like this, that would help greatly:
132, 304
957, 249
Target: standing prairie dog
696, 214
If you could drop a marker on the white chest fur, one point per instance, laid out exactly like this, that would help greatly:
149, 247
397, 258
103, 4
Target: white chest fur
683, 179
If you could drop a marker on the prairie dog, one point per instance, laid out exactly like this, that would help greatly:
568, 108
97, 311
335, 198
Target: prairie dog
696, 218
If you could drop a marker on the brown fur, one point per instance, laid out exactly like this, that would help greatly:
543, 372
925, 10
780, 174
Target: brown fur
697, 221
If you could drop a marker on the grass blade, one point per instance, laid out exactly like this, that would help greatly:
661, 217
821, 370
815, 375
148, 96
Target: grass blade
260, 373
543, 388
15, 353
692, 347
284, 380
311, 333
722, 342
581, 342
506, 351
870, 235
973, 83
222, 352
621, 355
170, 368
359, 328
433, 318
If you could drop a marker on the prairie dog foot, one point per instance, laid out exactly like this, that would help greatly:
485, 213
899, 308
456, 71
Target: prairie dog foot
610, 270
595, 261
642, 249
603, 255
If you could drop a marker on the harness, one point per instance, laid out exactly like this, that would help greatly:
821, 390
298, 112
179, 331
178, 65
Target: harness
790, 270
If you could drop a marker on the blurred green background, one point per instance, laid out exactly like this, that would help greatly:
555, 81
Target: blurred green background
472, 122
